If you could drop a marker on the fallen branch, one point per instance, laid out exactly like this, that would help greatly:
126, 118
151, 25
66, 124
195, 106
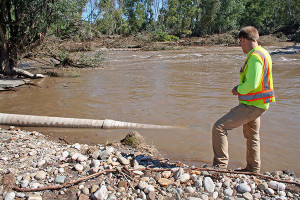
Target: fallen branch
65, 185
124, 175
63, 140
246, 173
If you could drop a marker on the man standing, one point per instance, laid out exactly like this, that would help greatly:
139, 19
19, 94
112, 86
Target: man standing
255, 92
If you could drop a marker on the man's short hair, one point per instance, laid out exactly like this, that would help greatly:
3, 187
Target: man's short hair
250, 33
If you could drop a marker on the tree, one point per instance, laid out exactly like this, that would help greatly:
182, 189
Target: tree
67, 17
23, 24
229, 15
208, 16
257, 14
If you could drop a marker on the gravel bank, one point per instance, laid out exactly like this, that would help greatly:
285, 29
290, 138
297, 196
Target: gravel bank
34, 167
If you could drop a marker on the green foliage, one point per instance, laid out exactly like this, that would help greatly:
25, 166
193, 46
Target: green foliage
23, 25
178, 17
130, 141
66, 18
160, 36
91, 61
296, 37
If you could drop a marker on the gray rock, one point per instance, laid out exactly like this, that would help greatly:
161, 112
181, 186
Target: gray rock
215, 195
142, 185
24, 183
40, 175
228, 192
85, 191
209, 185
103, 155
150, 188
166, 174
247, 196
270, 191
110, 149
79, 167
41, 163
190, 190
184, 177
138, 172
122, 160
83, 197
289, 172
143, 195
75, 156
204, 196
151, 195
179, 191
229, 198
218, 185
243, 187
101, 193
226, 183
94, 188
96, 163
10, 196
257, 195
60, 179
263, 186
65, 154
76, 146
81, 158
267, 173
96, 154
178, 174
205, 173
20, 195
157, 176
289, 194
198, 183
61, 170
112, 197
34, 197
277, 185
282, 194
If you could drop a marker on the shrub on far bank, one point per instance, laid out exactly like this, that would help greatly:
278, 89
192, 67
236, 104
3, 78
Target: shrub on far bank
161, 36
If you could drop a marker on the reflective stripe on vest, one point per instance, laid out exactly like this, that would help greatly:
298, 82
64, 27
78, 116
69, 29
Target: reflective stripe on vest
267, 93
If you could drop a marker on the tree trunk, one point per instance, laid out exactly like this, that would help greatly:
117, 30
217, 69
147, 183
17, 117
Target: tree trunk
8, 62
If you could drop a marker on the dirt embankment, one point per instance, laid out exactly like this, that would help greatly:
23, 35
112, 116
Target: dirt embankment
144, 42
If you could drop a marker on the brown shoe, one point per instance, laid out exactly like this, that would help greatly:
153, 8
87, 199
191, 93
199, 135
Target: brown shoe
219, 167
247, 170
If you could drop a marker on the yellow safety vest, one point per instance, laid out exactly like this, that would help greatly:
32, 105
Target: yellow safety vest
264, 93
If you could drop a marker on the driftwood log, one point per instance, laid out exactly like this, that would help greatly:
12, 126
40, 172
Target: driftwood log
26, 74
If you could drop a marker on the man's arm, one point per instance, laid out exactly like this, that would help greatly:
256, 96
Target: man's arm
234, 90
252, 77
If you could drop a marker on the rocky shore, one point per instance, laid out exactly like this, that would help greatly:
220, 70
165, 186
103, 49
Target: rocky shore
34, 167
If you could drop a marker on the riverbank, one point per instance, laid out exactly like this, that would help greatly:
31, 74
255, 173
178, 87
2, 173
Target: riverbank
34, 166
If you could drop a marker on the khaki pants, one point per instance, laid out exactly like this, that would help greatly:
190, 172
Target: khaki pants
249, 117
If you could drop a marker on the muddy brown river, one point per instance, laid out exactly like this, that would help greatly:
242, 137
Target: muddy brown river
189, 87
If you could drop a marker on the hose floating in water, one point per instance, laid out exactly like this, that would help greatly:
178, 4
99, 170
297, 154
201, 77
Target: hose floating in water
61, 122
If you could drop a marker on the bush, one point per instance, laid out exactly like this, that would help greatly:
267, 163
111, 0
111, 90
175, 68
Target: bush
161, 36
296, 37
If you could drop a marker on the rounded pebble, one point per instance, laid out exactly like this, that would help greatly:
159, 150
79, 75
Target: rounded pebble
243, 187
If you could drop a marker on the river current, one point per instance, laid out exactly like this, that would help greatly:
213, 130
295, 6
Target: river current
189, 87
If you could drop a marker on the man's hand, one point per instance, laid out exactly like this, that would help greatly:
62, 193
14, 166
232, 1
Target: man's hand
234, 91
